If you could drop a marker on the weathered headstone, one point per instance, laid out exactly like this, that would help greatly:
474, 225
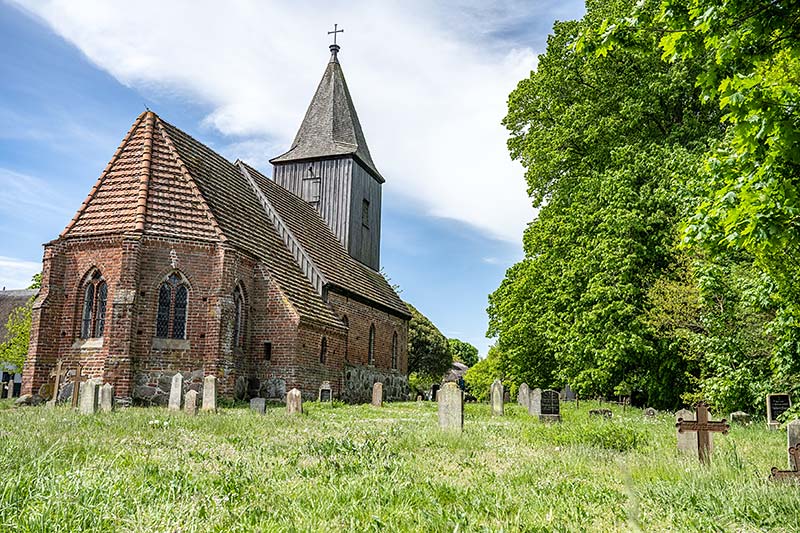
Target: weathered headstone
567, 393
496, 398
210, 393
687, 442
377, 394
792, 437
88, 397
325, 392
551, 406
175, 392
294, 402
190, 403
10, 388
107, 398
650, 412
535, 403
524, 395
740, 417
451, 407
703, 427
259, 405
777, 404
419, 397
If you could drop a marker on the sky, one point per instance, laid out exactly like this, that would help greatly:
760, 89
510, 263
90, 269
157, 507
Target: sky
429, 80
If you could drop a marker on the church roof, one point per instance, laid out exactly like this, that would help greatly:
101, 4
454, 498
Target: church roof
331, 126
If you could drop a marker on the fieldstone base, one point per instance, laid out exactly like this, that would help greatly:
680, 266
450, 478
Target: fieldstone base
358, 382
152, 388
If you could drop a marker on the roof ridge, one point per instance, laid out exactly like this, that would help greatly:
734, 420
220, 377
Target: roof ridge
144, 185
103, 174
301, 257
185, 173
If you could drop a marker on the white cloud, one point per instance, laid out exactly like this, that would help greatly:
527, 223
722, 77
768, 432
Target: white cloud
17, 273
21, 195
430, 90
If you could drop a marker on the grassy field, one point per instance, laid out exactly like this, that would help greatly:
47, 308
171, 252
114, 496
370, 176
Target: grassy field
358, 468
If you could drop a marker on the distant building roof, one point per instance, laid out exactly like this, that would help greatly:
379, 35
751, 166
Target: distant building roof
10, 300
456, 372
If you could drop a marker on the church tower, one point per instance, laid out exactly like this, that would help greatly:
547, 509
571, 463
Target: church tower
330, 167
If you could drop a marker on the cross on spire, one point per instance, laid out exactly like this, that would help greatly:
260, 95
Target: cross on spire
334, 32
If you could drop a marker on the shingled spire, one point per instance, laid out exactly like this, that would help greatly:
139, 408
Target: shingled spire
329, 166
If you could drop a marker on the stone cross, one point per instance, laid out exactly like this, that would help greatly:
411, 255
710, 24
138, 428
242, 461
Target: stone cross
209, 393
259, 405
702, 426
451, 407
496, 398
10, 391
377, 394
88, 397
175, 392
77, 379
294, 402
57, 373
524, 395
190, 403
107, 398
535, 403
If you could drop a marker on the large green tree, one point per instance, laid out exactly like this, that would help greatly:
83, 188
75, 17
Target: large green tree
463, 352
429, 354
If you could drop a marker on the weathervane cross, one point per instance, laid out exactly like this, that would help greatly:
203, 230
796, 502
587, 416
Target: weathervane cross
335, 31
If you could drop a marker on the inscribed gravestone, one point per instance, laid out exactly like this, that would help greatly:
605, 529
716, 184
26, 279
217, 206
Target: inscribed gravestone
294, 402
259, 405
792, 437
524, 395
777, 404
175, 392
377, 394
551, 406
687, 442
107, 398
451, 407
210, 393
87, 401
190, 403
325, 392
535, 404
496, 398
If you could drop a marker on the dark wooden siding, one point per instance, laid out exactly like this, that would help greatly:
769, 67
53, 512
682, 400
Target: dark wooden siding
365, 242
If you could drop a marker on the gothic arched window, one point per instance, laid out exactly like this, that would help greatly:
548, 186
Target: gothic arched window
173, 301
371, 352
323, 350
95, 297
238, 317
394, 351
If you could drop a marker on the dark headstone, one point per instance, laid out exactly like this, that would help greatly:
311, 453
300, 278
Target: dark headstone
325, 392
551, 406
777, 404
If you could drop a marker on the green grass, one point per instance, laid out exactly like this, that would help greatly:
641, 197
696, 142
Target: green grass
357, 468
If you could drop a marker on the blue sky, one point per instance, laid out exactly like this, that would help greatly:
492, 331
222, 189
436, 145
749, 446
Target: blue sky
429, 82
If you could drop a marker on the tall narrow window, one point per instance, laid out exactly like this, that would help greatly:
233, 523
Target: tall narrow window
238, 317
323, 350
88, 307
173, 303
394, 351
365, 213
93, 315
371, 353
311, 187
100, 310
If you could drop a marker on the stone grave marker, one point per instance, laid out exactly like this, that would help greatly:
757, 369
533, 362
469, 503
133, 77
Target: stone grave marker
77, 379
702, 426
259, 405
190, 403
107, 398
377, 394
294, 402
604, 413
793, 474
419, 397
175, 392
210, 393
496, 398
524, 395
451, 407
777, 404
551, 406
740, 417
58, 373
88, 397
650, 412
793, 437
687, 442
10, 388
325, 392
535, 403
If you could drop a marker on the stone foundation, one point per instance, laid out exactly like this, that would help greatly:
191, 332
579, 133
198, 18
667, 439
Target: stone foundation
358, 382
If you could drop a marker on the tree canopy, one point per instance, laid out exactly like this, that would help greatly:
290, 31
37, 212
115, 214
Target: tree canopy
463, 352
429, 353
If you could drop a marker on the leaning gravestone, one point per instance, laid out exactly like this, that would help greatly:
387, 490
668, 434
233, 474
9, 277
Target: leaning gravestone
496, 398
524, 395
325, 392
551, 406
259, 405
107, 398
792, 437
210, 393
377, 394
294, 402
175, 392
190, 403
451, 407
535, 403
777, 404
740, 417
88, 397
687, 442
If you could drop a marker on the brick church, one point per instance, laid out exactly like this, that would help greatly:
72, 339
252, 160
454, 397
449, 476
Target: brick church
182, 261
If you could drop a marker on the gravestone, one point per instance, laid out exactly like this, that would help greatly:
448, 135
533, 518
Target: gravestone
702, 427
650, 412
259, 405
687, 442
496, 398
740, 417
325, 392
419, 397
524, 395
792, 437
451, 407
88, 397
377, 394
535, 403
210, 393
604, 413
190, 403
777, 404
77, 379
107, 398
568, 394
10, 388
175, 392
58, 373
551, 406
294, 402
